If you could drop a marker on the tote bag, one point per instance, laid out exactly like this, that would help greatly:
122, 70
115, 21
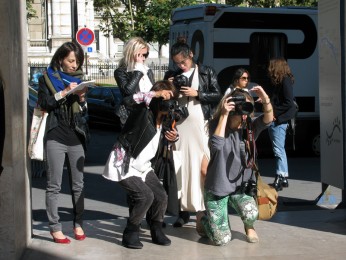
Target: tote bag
267, 199
37, 130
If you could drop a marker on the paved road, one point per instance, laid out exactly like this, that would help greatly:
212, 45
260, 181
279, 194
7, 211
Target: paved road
300, 230
100, 194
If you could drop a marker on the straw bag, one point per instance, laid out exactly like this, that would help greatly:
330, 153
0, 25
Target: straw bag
267, 199
37, 131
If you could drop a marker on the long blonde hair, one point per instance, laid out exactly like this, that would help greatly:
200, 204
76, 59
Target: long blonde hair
131, 49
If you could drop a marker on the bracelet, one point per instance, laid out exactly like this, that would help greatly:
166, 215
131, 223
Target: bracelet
266, 103
267, 111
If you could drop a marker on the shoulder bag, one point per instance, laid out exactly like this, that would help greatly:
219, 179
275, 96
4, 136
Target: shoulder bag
267, 198
37, 131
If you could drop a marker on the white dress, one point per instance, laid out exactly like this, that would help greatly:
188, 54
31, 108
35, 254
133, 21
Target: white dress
193, 144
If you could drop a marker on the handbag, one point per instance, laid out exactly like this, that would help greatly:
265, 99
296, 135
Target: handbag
267, 198
37, 131
165, 171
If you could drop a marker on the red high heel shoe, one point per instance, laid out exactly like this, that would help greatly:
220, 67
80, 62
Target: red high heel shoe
60, 240
79, 237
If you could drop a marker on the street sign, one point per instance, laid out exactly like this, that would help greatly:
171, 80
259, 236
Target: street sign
90, 49
85, 36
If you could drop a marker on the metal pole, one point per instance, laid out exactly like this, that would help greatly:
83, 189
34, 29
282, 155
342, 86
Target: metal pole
74, 19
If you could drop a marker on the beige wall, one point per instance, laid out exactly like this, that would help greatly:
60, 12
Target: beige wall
15, 210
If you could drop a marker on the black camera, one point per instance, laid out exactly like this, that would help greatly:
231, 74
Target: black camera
241, 106
168, 105
249, 188
181, 80
175, 113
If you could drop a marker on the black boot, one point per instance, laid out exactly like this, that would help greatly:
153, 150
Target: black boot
284, 182
277, 183
184, 217
280, 182
131, 237
157, 235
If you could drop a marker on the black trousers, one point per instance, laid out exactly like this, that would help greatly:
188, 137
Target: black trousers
144, 195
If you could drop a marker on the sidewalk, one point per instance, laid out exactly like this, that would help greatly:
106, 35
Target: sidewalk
300, 230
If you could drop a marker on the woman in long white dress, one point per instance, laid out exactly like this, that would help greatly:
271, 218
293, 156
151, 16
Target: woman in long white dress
200, 93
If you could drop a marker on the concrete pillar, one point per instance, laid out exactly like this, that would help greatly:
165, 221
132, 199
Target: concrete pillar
15, 207
59, 22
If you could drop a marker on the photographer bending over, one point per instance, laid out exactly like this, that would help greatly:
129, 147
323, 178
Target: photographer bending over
229, 170
130, 162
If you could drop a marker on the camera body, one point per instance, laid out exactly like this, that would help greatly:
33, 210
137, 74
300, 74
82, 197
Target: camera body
181, 80
249, 188
175, 113
242, 107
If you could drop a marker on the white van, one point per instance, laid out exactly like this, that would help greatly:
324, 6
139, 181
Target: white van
227, 38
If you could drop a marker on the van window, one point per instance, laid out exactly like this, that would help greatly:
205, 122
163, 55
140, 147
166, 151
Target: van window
265, 46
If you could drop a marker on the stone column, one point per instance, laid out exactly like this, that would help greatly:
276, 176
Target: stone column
59, 22
15, 208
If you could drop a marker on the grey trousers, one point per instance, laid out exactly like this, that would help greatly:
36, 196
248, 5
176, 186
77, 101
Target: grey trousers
56, 154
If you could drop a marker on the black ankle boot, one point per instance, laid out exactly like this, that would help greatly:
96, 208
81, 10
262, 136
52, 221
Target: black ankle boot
131, 237
184, 217
157, 235
277, 184
280, 182
284, 182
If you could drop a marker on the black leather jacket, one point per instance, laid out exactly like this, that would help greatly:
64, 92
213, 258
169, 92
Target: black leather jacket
209, 93
47, 101
138, 130
128, 82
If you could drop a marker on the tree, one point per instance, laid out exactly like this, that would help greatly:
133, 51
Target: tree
147, 19
272, 3
30, 11
150, 20
156, 20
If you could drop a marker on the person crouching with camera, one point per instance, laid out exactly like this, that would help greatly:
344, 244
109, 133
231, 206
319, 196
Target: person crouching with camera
130, 163
229, 179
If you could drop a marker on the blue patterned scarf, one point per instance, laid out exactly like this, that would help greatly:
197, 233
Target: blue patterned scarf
60, 79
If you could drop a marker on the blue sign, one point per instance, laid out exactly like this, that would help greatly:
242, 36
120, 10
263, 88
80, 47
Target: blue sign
90, 49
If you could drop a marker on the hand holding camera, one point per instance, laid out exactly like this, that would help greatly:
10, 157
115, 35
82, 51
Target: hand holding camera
175, 113
182, 84
241, 106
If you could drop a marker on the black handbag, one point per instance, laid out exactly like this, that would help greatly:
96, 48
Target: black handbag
165, 171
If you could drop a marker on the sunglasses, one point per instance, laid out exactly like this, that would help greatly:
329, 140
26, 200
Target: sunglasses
145, 55
245, 78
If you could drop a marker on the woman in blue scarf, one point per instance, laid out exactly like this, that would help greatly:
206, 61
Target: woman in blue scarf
66, 134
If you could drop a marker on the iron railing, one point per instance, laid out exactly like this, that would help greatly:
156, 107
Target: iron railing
102, 73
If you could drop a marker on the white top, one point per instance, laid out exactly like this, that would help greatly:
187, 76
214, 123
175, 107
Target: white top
138, 167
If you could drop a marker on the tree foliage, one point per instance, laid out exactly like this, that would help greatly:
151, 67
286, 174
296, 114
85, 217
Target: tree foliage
150, 20
30, 11
272, 3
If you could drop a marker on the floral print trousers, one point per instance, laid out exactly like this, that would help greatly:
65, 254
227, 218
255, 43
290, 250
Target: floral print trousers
216, 222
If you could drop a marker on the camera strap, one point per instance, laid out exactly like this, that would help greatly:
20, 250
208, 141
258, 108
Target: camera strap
190, 84
248, 145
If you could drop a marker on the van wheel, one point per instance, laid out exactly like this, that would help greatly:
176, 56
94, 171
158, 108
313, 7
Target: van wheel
315, 145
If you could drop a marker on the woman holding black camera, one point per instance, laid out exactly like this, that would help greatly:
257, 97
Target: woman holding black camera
199, 94
130, 162
229, 179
